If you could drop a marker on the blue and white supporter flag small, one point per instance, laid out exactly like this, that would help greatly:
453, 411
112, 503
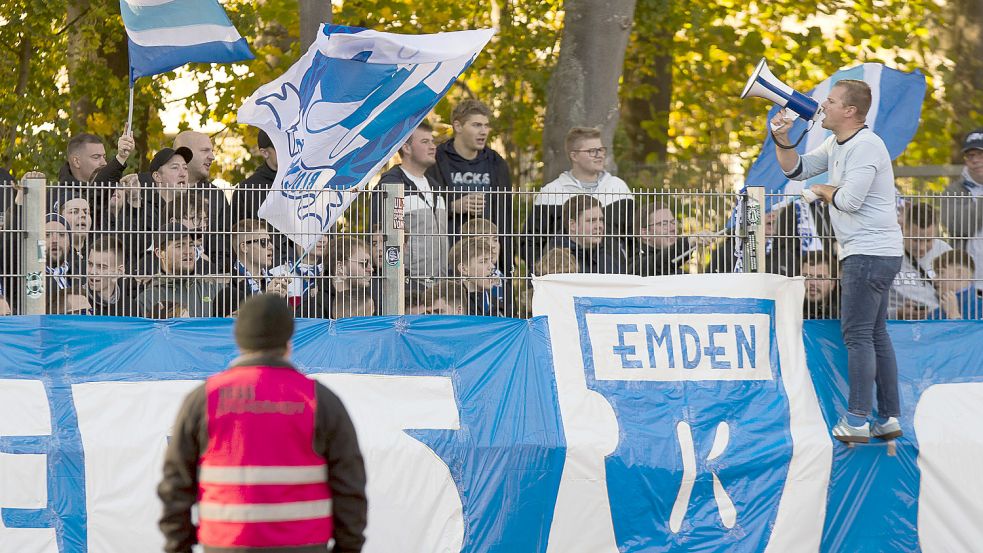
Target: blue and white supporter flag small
166, 34
343, 110
894, 115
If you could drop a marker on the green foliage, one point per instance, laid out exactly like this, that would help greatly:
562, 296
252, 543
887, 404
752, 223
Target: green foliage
716, 44
712, 46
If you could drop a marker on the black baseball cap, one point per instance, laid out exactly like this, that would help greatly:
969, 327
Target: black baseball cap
167, 154
973, 141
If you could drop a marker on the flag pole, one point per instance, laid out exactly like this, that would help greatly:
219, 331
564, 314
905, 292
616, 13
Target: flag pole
129, 116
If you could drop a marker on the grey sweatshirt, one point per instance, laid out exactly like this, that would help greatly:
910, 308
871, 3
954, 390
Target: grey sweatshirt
864, 208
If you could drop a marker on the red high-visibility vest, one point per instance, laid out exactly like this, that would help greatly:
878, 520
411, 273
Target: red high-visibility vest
260, 482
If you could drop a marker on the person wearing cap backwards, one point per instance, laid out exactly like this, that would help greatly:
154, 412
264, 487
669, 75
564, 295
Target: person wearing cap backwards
269, 455
962, 214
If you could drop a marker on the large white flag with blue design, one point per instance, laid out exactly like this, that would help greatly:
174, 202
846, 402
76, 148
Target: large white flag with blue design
165, 34
343, 110
894, 114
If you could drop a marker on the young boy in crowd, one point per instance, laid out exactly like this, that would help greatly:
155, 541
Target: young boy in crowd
474, 263
959, 296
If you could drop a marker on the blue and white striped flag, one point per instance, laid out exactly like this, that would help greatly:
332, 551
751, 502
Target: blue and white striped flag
166, 34
343, 110
894, 115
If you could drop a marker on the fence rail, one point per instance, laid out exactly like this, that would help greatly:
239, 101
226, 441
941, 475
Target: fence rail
164, 250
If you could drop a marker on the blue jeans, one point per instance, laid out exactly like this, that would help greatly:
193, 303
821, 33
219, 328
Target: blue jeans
866, 281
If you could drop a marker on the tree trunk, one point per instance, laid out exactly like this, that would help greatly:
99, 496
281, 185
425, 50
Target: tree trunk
80, 53
645, 116
583, 89
312, 14
647, 95
965, 49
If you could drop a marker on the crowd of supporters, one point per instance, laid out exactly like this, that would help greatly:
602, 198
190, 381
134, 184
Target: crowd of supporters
169, 243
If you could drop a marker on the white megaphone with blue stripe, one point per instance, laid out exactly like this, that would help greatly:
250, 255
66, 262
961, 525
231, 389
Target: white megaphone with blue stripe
763, 84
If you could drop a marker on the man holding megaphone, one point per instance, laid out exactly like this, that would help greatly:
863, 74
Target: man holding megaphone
862, 206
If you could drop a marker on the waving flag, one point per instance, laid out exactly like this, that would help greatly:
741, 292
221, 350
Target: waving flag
343, 110
165, 34
894, 113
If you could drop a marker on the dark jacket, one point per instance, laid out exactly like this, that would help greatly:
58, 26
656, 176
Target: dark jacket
125, 304
334, 439
251, 192
456, 177
599, 260
649, 261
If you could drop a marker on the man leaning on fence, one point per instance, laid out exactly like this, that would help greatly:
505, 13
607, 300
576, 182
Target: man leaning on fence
962, 215
862, 200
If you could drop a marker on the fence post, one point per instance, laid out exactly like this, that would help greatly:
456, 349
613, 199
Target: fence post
754, 245
393, 268
33, 247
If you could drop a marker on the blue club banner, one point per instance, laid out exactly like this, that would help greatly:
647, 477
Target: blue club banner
633, 415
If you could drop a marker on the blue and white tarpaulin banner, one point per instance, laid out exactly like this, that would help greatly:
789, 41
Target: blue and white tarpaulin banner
686, 413
894, 115
166, 34
337, 115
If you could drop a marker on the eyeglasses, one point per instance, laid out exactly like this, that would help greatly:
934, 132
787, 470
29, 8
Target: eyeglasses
263, 242
594, 152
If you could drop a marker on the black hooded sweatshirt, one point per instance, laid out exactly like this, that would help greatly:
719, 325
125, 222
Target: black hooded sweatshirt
456, 177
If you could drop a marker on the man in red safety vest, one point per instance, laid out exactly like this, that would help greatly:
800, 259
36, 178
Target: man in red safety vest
269, 456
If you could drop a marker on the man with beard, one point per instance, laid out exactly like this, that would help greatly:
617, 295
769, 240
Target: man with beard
58, 241
821, 301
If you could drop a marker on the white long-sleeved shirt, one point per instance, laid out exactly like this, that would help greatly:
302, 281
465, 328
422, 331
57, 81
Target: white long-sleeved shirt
864, 208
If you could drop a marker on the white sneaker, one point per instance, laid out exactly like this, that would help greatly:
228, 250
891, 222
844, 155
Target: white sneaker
846, 433
890, 430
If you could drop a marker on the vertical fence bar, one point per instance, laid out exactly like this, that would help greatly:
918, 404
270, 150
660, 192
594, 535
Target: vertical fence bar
393, 267
33, 247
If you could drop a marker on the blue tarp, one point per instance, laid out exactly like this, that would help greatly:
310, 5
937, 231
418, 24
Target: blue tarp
508, 456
